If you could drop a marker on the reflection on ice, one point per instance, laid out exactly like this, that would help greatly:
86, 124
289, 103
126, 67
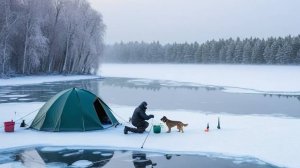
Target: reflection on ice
75, 157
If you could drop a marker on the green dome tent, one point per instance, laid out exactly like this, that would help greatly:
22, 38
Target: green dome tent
74, 110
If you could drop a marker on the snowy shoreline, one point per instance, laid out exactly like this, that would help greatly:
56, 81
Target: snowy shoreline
273, 140
26, 80
234, 78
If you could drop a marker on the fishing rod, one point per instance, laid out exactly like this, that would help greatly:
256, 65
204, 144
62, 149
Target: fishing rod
147, 134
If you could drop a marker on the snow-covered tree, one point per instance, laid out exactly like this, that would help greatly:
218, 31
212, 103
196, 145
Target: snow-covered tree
257, 56
49, 36
230, 51
283, 55
238, 52
247, 51
297, 59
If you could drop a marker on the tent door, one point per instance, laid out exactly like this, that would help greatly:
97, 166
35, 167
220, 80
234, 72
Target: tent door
103, 117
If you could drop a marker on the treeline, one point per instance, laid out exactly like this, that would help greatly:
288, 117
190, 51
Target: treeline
49, 36
247, 51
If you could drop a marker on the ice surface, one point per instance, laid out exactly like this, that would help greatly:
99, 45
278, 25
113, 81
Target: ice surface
274, 140
237, 78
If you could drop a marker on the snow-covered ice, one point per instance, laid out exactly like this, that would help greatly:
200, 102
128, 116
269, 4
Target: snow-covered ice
235, 78
271, 139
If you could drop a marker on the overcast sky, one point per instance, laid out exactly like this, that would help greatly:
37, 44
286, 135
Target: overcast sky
171, 21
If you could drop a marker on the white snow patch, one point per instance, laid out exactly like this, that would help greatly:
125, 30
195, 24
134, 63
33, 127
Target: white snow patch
52, 149
97, 152
106, 154
82, 163
271, 139
250, 78
22, 99
73, 153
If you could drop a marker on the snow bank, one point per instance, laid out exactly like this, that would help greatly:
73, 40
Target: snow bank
236, 78
271, 139
43, 79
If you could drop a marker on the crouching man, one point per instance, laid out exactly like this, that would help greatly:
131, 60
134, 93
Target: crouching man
138, 119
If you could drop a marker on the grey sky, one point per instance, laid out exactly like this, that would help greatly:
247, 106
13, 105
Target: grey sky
197, 20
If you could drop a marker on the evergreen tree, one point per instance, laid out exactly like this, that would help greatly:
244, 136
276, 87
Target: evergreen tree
284, 54
230, 51
198, 55
297, 59
274, 51
222, 54
205, 53
213, 53
257, 52
187, 53
238, 52
247, 51
295, 48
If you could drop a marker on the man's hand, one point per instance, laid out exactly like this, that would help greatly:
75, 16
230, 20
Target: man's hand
151, 116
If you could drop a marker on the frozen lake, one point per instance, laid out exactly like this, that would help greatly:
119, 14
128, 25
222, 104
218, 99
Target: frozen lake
80, 157
165, 96
162, 95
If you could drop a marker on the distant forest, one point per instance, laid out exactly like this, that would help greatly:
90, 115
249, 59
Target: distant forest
230, 51
49, 36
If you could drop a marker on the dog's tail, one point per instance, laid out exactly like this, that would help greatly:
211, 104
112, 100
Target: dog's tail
185, 125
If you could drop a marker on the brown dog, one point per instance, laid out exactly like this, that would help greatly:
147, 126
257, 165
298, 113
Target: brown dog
171, 124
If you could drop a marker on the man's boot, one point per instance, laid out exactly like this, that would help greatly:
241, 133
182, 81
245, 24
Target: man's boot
126, 129
134, 130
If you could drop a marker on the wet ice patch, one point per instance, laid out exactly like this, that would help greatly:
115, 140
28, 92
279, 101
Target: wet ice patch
248, 160
236, 159
106, 154
14, 96
56, 165
5, 158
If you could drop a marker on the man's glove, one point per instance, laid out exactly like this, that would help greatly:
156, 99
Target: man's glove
151, 116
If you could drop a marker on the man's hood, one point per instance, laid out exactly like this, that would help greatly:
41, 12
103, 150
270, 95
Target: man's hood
143, 105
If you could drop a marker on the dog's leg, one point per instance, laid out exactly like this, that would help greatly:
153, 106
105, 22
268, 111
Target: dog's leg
178, 127
169, 130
